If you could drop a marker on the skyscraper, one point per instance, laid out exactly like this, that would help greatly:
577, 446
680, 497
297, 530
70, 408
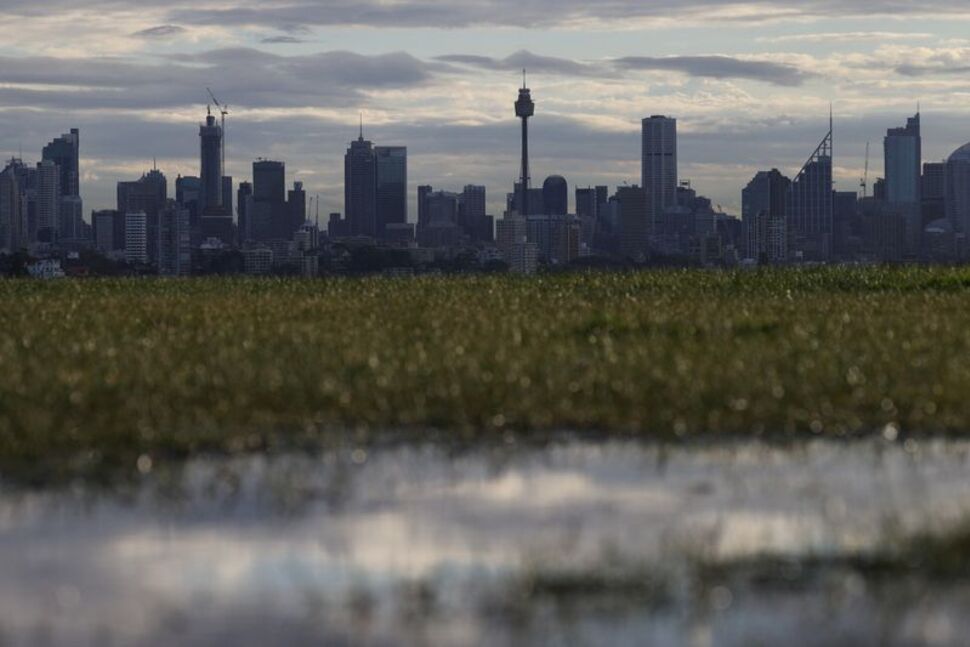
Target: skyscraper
295, 210
266, 211
174, 240
210, 136
48, 201
763, 213
65, 153
136, 237
659, 163
810, 205
634, 219
958, 189
524, 109
555, 196
903, 161
13, 207
360, 188
391, 186
903, 157
933, 191
242, 198
147, 194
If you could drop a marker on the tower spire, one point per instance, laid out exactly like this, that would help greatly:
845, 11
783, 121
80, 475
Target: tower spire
361, 126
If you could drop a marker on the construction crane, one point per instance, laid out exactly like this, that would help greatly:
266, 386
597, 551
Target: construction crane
223, 110
864, 183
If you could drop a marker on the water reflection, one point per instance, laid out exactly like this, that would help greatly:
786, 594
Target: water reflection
572, 542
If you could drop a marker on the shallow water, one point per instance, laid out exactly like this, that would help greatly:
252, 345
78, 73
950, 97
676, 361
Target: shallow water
570, 543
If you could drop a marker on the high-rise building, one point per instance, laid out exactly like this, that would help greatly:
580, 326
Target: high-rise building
903, 158
13, 207
634, 220
266, 210
360, 188
763, 213
391, 186
903, 161
210, 138
107, 227
136, 237
555, 196
810, 205
472, 217
958, 189
296, 210
242, 198
586, 203
525, 109
659, 163
933, 191
64, 152
174, 240
148, 195
48, 202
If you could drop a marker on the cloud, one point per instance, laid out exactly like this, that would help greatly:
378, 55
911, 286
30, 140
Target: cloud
282, 40
846, 37
244, 76
719, 67
525, 60
161, 31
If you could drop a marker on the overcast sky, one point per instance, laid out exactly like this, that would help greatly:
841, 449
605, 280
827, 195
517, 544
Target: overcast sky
750, 83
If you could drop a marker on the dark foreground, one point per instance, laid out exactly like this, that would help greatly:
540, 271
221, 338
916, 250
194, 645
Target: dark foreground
97, 374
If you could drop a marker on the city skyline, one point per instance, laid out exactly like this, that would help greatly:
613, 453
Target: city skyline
750, 94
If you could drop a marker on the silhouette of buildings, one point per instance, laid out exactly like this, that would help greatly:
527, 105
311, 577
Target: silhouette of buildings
658, 175
764, 217
810, 204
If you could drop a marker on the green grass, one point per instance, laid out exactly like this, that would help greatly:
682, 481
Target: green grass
96, 373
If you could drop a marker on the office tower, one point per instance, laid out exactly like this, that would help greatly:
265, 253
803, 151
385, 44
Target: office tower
106, 229
148, 195
13, 206
243, 194
266, 211
64, 152
210, 175
174, 240
472, 217
48, 202
524, 109
903, 158
586, 203
391, 186
296, 210
763, 213
903, 161
423, 192
360, 188
933, 191
809, 205
659, 163
227, 194
958, 189
136, 238
634, 220
555, 196
71, 225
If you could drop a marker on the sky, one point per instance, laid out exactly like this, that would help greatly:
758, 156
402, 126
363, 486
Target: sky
749, 82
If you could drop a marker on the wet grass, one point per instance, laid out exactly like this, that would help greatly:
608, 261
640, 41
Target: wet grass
97, 373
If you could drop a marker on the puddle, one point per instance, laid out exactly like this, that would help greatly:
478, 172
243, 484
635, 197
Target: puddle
571, 543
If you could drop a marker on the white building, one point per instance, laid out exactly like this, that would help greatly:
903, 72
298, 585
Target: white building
46, 269
136, 237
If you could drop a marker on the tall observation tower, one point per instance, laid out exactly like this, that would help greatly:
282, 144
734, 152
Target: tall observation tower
524, 108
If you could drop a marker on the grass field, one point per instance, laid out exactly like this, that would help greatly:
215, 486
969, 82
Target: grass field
94, 374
